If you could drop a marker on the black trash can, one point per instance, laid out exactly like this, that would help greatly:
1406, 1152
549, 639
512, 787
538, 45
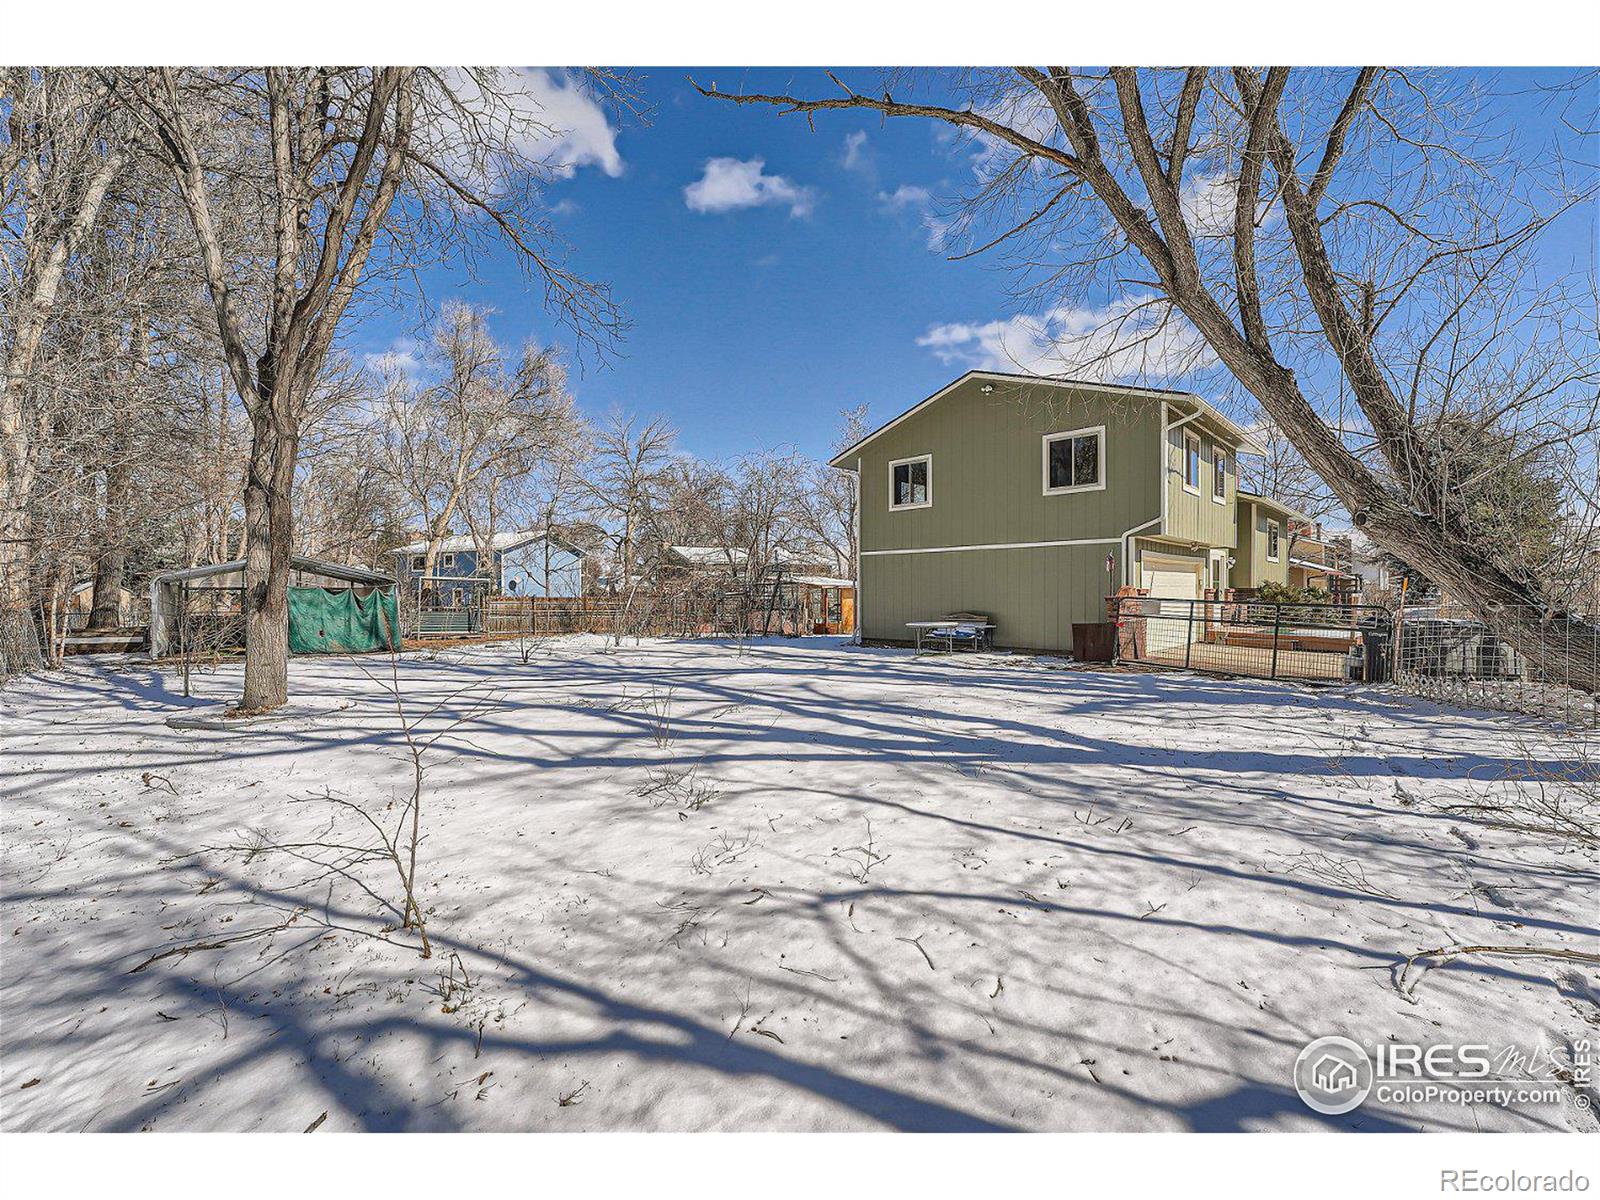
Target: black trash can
1377, 638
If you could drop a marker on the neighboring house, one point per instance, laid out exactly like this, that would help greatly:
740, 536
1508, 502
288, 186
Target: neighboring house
1030, 500
80, 603
1372, 567
726, 560
1318, 559
521, 563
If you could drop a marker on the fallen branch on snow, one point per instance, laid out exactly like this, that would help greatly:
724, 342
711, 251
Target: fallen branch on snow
1446, 953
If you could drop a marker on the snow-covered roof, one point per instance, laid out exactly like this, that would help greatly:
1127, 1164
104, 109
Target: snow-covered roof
709, 556
822, 581
1314, 565
500, 541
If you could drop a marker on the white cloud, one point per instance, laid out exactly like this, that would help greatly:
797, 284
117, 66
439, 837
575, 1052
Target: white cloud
402, 356
1135, 338
731, 183
854, 157
907, 195
547, 116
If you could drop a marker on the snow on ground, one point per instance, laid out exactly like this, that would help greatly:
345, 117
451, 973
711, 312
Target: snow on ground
1086, 899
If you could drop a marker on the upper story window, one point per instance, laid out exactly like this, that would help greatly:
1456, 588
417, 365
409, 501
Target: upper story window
418, 562
1074, 461
1219, 474
1272, 541
911, 482
1191, 461
447, 561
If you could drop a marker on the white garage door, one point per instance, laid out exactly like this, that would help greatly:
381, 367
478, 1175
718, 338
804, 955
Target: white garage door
1169, 579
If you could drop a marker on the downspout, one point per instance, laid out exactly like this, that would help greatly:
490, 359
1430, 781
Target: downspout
856, 520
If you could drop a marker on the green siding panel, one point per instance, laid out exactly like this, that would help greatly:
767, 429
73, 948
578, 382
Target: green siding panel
1253, 568
1033, 596
1199, 518
987, 489
988, 469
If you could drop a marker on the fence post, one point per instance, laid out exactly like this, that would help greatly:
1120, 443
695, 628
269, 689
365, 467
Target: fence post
1188, 637
1277, 623
183, 630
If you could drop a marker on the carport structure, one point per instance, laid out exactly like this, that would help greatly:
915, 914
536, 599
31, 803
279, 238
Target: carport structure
206, 604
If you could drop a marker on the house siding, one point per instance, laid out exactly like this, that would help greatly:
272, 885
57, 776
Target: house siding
1199, 518
1252, 568
987, 486
1033, 596
522, 572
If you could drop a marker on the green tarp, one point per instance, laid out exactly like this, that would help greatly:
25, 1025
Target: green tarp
336, 621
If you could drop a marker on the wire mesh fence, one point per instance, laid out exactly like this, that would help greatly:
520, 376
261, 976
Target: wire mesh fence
1446, 652
20, 648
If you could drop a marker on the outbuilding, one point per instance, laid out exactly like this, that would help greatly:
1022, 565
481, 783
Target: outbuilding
333, 608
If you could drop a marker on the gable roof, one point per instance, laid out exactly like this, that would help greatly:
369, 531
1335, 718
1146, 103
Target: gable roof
1273, 502
709, 556
501, 541
1245, 441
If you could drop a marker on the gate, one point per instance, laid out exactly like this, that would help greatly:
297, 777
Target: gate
1266, 640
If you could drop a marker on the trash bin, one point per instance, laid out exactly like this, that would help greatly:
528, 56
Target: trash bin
1377, 633
1093, 641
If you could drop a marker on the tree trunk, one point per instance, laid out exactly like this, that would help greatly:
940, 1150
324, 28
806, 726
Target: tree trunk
269, 543
111, 558
109, 570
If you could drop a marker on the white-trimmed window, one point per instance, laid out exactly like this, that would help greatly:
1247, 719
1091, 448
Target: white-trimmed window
1272, 541
1191, 462
418, 562
447, 562
1075, 461
1219, 474
911, 482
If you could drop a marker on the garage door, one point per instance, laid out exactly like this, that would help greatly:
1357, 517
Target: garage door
1169, 579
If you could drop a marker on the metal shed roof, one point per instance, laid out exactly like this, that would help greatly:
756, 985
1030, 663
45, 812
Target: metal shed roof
299, 562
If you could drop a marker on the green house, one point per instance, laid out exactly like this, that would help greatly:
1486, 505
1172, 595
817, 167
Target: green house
1030, 500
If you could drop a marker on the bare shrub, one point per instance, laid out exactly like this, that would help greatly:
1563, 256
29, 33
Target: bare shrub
1554, 793
678, 787
860, 860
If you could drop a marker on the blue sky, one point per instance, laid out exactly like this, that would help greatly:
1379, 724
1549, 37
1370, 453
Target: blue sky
764, 299
751, 327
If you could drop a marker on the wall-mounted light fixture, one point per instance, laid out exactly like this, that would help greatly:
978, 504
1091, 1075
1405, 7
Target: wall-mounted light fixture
987, 388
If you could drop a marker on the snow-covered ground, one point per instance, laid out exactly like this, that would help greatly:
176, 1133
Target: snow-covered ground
798, 886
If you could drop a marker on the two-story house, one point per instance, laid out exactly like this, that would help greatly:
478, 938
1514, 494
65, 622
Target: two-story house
1031, 500
520, 563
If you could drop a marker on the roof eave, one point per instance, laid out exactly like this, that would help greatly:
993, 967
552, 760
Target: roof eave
1244, 441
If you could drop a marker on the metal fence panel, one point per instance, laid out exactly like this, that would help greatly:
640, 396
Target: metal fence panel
1267, 640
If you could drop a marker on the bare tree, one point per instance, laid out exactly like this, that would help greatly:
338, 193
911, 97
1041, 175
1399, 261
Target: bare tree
825, 512
359, 174
1331, 239
453, 446
62, 155
629, 463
